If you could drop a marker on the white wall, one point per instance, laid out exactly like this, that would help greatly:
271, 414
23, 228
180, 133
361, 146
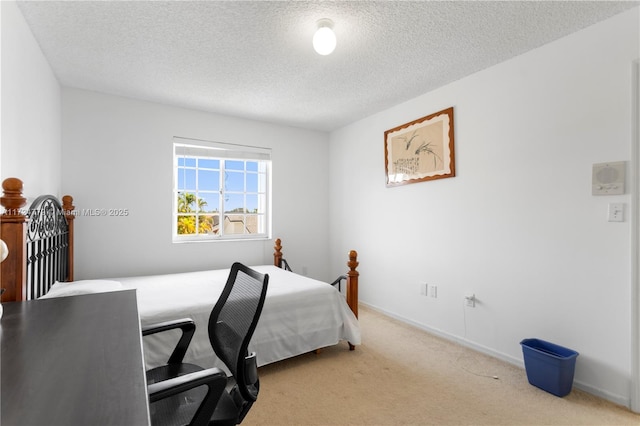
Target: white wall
118, 154
31, 144
518, 225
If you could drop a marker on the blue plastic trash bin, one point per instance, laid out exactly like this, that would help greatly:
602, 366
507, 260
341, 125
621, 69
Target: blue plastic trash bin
549, 367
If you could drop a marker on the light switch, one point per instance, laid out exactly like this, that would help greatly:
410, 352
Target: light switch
616, 212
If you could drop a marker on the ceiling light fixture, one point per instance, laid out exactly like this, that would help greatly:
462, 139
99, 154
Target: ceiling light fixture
324, 40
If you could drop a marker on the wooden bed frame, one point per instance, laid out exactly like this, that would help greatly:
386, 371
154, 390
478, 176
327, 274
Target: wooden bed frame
40, 243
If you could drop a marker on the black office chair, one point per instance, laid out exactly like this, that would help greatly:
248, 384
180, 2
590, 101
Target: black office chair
186, 394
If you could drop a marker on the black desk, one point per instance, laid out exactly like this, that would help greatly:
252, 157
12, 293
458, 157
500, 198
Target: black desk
73, 361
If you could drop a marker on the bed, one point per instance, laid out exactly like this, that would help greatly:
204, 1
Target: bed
300, 314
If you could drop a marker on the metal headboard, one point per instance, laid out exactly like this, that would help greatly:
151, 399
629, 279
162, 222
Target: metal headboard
47, 246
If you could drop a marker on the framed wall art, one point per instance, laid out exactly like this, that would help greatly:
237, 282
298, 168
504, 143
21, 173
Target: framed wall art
420, 150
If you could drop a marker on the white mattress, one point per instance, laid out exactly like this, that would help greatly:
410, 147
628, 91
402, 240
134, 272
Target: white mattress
300, 314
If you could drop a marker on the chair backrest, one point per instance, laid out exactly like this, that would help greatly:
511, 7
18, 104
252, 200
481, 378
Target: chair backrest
232, 323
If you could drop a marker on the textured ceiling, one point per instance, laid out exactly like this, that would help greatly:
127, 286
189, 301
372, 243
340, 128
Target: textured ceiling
254, 59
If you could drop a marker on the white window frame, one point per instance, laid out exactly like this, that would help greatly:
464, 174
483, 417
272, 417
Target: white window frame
184, 148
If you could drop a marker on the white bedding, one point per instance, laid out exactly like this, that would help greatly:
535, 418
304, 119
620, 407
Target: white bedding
300, 314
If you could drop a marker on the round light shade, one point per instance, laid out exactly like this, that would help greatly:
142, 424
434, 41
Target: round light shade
324, 40
4, 250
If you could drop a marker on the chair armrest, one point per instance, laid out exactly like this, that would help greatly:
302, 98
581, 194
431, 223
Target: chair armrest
188, 327
183, 323
214, 378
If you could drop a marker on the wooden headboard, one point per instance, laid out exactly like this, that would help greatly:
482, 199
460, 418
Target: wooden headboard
40, 243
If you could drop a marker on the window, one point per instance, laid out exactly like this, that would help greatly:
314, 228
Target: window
221, 191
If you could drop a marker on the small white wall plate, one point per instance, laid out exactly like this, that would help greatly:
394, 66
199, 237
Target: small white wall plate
608, 178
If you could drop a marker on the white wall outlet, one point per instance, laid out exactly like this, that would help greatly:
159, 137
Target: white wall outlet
424, 289
433, 291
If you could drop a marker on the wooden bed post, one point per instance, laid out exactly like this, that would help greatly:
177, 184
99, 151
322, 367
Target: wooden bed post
352, 279
13, 230
69, 213
277, 253
352, 286
352, 282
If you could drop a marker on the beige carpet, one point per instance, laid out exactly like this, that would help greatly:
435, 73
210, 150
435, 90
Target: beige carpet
401, 375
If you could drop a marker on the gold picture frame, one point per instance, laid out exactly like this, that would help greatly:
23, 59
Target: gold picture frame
420, 150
